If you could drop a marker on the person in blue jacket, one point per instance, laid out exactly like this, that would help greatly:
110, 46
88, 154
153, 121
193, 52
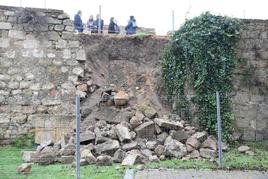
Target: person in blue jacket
131, 26
78, 24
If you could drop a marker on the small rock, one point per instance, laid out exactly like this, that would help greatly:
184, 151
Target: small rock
194, 154
147, 153
104, 160
24, 168
165, 123
159, 150
107, 147
135, 122
46, 158
69, 149
119, 155
207, 153
83, 162
174, 148
140, 167
162, 137
130, 146
87, 136
210, 143
123, 133
151, 144
250, 153
192, 143
146, 130
67, 159
162, 157
153, 158
132, 157
121, 98
88, 156
200, 136
243, 148
180, 135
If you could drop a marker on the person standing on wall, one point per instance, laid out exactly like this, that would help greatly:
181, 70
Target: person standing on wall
96, 25
131, 26
90, 23
78, 24
113, 27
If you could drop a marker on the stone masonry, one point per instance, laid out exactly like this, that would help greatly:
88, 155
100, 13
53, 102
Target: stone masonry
42, 68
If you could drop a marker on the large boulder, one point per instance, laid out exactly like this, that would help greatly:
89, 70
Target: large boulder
130, 146
167, 124
210, 143
132, 157
88, 156
68, 150
200, 136
174, 148
24, 168
192, 143
67, 159
46, 158
104, 160
123, 133
87, 136
179, 135
207, 153
146, 130
107, 147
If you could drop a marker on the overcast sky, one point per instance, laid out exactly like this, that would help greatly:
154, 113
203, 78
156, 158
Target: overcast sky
152, 13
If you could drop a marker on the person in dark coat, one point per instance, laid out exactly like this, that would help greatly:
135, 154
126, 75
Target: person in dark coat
113, 27
78, 24
131, 26
96, 25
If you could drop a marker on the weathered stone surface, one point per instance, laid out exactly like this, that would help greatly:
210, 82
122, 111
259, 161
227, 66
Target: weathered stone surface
123, 133
194, 154
192, 143
29, 156
135, 122
180, 135
162, 137
107, 147
174, 148
132, 157
24, 168
250, 153
243, 148
159, 150
121, 98
151, 144
16, 34
168, 124
146, 130
207, 153
119, 155
46, 158
200, 136
130, 146
210, 143
104, 160
87, 136
81, 55
68, 150
88, 156
150, 113
67, 159
4, 42
5, 25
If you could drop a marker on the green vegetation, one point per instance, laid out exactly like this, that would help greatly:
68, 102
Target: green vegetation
232, 160
201, 57
10, 159
25, 140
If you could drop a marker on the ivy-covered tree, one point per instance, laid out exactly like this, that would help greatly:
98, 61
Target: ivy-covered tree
202, 52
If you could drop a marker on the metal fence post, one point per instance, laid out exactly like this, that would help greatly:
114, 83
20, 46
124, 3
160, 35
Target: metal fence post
77, 109
219, 130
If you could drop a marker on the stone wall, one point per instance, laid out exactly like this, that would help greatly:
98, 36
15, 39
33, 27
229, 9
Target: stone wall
250, 101
43, 65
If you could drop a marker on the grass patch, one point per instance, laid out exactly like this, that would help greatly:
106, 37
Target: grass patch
10, 159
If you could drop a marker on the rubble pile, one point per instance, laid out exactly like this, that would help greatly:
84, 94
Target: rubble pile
113, 131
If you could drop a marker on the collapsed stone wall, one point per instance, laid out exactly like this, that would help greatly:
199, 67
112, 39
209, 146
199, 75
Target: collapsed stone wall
43, 65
